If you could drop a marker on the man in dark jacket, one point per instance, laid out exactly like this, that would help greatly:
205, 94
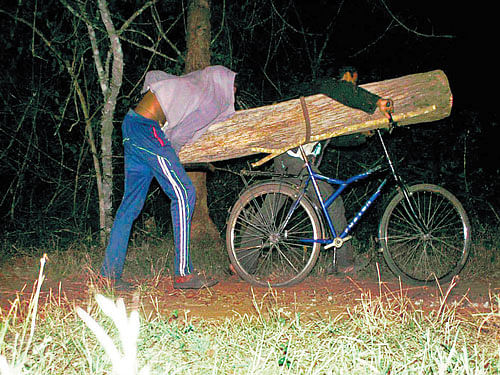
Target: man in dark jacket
346, 91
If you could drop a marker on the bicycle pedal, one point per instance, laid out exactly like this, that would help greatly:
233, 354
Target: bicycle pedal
337, 242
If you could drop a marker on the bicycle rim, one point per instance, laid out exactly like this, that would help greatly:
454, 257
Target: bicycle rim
425, 255
264, 236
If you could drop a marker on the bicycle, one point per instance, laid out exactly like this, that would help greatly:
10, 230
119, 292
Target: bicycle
274, 231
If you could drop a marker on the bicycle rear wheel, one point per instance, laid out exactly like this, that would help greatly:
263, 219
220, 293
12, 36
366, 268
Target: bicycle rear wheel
423, 255
266, 233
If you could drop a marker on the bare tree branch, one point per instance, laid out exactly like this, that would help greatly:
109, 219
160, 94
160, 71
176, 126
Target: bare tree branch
374, 42
400, 23
163, 34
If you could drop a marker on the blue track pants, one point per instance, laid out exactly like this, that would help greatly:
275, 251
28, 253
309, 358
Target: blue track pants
149, 154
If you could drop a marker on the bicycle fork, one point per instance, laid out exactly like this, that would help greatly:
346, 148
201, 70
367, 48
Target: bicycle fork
412, 212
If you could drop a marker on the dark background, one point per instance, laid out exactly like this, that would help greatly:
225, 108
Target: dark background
273, 46
460, 152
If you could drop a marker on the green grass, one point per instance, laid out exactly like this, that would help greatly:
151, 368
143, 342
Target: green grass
373, 336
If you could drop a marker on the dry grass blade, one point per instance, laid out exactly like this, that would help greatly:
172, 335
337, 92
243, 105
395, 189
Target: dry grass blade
128, 329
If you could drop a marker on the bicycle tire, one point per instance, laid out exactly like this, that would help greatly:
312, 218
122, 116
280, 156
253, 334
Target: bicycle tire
262, 248
436, 254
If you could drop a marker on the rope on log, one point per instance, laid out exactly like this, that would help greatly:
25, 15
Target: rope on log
305, 113
374, 124
419, 98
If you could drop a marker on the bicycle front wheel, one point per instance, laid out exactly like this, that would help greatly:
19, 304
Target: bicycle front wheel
433, 247
270, 234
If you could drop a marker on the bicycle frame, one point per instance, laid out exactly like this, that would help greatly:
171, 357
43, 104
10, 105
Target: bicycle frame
325, 204
337, 239
275, 234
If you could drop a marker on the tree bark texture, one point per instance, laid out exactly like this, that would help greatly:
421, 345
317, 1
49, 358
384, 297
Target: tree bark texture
274, 129
198, 57
110, 96
198, 36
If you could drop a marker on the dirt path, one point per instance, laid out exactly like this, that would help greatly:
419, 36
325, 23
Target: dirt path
315, 297
320, 297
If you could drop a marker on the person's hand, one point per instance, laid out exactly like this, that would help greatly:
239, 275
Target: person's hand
386, 106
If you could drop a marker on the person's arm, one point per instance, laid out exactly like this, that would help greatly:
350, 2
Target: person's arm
355, 97
350, 95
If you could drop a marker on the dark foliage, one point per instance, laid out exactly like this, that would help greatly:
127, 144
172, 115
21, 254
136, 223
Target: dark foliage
48, 189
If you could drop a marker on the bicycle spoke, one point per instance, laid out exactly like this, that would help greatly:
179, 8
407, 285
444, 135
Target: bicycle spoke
265, 233
436, 251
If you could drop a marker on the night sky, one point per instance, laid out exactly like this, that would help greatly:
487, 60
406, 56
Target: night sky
463, 42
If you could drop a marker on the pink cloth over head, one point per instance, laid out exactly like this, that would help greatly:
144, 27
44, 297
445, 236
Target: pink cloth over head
192, 102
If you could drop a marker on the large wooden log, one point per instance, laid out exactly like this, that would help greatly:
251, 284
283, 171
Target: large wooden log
273, 129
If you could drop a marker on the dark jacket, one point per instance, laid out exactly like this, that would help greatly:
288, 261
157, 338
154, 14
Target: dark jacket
352, 96
349, 94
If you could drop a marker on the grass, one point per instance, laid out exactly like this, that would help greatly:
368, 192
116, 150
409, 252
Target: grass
376, 335
150, 255
151, 252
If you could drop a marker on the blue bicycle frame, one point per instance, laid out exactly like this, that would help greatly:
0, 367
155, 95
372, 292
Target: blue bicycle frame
342, 185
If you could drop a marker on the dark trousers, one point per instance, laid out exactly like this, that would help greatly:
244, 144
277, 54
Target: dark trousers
285, 163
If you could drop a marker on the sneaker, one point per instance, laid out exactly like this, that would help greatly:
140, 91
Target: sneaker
193, 281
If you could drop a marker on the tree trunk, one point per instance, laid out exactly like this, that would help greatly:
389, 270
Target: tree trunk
110, 84
198, 57
274, 129
198, 36
110, 93
202, 226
